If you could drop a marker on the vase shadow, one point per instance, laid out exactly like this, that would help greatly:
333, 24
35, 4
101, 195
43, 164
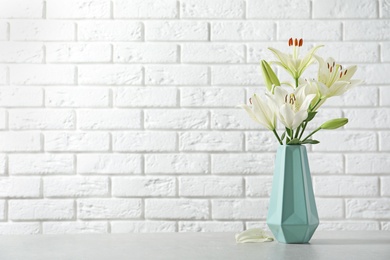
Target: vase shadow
339, 242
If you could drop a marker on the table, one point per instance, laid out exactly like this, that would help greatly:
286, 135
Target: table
372, 245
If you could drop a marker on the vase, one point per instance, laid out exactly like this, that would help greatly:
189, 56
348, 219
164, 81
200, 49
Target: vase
292, 214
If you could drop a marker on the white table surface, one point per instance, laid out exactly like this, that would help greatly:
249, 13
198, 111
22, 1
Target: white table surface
372, 245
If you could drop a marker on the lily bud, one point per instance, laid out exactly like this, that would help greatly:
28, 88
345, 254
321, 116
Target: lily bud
269, 76
334, 123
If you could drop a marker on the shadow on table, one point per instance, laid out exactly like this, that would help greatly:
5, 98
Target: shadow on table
350, 242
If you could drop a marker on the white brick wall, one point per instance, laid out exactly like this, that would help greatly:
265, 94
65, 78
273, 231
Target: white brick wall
120, 115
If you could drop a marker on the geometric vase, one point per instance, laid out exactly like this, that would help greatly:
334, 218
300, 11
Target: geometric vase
292, 214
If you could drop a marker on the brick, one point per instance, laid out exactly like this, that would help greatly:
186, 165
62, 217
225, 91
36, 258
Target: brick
215, 186
110, 75
330, 208
385, 225
20, 141
212, 53
220, 9
110, 31
3, 163
368, 163
378, 208
145, 9
146, 53
176, 75
324, 115
77, 97
41, 209
319, 163
366, 30
109, 208
76, 141
258, 186
345, 186
352, 51
211, 97
145, 97
2, 210
214, 226
385, 186
233, 209
259, 51
330, 30
384, 141
176, 164
374, 74
108, 164
57, 187
176, 209
143, 186
20, 52
384, 94
78, 9
348, 9
348, 225
384, 7
176, 31
47, 119
78, 52
41, 164
42, 74
12, 228
346, 141
236, 75
242, 163
142, 226
20, 187
21, 9
210, 141
232, 119
257, 224
4, 71
144, 141
278, 9
4, 29
176, 119
367, 118
84, 227
42, 30
359, 96
21, 97
243, 31
109, 119
385, 51
260, 141
3, 119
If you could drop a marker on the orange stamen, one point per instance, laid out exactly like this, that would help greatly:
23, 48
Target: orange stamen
296, 42
290, 42
300, 42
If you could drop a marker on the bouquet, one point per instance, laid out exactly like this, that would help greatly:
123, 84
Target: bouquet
297, 105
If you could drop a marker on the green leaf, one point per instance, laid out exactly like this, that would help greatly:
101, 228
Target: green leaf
310, 141
283, 136
289, 131
334, 123
294, 141
310, 116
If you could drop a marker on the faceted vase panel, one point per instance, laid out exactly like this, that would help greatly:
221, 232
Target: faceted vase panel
292, 214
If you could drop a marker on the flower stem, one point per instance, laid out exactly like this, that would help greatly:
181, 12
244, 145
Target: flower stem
303, 129
312, 133
296, 83
277, 136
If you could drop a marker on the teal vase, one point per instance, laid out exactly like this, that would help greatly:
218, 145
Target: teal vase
292, 214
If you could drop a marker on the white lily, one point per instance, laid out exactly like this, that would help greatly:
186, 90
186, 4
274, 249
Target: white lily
291, 62
333, 80
262, 111
293, 107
